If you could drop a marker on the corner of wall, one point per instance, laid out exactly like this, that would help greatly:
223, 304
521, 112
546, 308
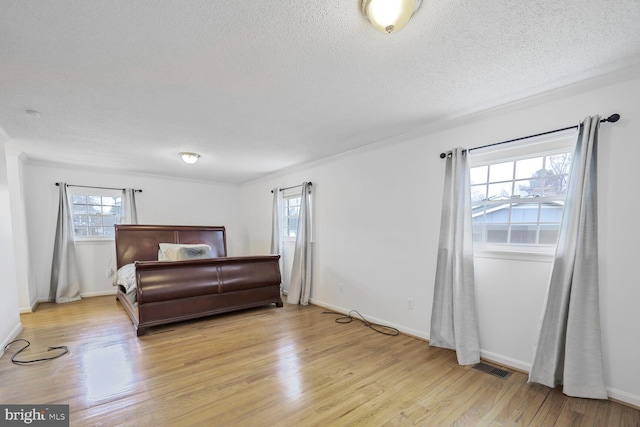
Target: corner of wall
14, 175
15, 331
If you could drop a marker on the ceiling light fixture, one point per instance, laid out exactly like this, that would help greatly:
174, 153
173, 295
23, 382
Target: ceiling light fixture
189, 158
389, 16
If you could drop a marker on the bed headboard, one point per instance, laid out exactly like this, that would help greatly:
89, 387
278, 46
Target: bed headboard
141, 242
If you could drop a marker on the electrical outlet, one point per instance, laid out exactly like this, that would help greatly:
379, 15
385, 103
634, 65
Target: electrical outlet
410, 303
109, 272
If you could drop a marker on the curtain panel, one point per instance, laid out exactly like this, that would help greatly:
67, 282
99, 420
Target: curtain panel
276, 226
454, 319
569, 348
300, 284
276, 221
128, 210
65, 282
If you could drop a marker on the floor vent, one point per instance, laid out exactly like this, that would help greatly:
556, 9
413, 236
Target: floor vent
492, 370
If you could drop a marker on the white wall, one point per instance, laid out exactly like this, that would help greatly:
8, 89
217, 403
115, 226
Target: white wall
162, 201
377, 220
10, 325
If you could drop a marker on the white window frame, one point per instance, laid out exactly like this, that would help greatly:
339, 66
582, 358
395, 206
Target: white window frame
289, 194
556, 143
93, 192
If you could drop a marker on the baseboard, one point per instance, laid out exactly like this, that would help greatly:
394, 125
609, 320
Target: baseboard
507, 362
82, 295
624, 398
33, 307
12, 336
404, 330
615, 395
99, 294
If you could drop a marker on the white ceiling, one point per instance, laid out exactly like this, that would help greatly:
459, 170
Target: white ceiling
258, 86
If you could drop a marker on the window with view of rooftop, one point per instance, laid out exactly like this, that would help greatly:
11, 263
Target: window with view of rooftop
518, 193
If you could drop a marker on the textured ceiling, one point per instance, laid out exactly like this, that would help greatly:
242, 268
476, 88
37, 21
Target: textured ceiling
256, 87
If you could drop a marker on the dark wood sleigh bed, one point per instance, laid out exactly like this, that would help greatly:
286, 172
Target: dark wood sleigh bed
172, 291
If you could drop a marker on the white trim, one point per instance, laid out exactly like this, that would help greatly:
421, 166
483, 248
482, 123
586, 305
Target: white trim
83, 240
94, 191
512, 252
99, 293
624, 397
25, 310
82, 295
292, 192
507, 362
618, 73
120, 171
12, 336
406, 331
536, 146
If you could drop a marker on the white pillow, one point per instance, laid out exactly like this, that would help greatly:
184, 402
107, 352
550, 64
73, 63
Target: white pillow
179, 252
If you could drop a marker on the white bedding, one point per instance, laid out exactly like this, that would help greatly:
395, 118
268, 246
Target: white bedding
126, 277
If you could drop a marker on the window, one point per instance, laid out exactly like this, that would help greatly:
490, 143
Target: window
94, 215
518, 193
291, 214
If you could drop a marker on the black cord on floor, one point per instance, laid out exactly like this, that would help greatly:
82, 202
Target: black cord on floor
348, 318
64, 349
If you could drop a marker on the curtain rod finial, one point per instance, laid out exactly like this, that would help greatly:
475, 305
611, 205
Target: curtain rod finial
613, 118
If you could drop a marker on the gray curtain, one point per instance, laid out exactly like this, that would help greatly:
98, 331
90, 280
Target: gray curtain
454, 319
300, 284
65, 282
276, 210
569, 348
128, 209
276, 221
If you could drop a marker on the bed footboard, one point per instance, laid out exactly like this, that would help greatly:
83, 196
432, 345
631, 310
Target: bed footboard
174, 291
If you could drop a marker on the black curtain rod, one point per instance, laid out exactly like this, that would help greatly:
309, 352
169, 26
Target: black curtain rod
293, 186
100, 188
612, 119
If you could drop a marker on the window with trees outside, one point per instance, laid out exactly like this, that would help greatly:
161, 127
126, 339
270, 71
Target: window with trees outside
94, 215
291, 214
518, 192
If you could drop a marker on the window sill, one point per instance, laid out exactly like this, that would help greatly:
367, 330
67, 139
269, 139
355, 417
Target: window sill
92, 240
520, 253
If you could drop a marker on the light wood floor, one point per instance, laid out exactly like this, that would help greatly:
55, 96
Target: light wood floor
291, 366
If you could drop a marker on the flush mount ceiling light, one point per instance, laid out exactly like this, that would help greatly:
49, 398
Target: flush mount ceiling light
189, 158
389, 16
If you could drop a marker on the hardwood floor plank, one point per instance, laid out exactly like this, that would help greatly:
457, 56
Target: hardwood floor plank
268, 366
550, 410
